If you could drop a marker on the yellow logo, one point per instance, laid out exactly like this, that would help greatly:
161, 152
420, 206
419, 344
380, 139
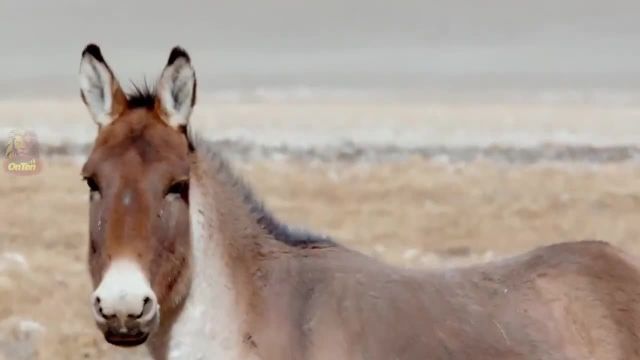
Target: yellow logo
21, 156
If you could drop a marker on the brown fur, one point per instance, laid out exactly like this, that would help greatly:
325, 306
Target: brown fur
141, 156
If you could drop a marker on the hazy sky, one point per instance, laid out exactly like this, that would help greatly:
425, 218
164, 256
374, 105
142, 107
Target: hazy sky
328, 42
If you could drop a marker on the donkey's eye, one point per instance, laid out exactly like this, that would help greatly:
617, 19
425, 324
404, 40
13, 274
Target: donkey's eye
178, 188
93, 185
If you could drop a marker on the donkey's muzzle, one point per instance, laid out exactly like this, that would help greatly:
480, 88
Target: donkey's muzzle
124, 306
127, 328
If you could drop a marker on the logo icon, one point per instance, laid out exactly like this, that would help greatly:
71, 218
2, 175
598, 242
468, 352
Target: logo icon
22, 154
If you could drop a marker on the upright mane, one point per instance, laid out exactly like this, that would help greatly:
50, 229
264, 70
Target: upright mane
142, 96
263, 217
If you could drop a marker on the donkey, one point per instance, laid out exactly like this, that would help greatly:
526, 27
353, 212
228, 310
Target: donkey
184, 259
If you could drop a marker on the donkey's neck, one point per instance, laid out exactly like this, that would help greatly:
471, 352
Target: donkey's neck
213, 320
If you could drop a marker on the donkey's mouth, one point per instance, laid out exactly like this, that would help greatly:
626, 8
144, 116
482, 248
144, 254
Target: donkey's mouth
125, 340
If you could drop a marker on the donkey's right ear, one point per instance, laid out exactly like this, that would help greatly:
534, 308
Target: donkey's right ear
100, 90
176, 90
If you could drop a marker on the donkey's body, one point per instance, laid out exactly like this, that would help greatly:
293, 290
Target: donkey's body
261, 297
184, 259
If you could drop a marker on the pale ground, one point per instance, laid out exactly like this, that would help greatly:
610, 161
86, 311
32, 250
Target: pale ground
369, 121
413, 213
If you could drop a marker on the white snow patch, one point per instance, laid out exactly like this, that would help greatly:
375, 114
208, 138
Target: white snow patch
410, 254
30, 327
13, 261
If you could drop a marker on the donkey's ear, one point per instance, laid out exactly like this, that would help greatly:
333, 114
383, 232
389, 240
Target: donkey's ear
99, 88
176, 91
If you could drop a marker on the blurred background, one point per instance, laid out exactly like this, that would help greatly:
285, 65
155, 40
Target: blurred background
426, 133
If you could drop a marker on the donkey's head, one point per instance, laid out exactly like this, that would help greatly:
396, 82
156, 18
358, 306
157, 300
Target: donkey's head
137, 174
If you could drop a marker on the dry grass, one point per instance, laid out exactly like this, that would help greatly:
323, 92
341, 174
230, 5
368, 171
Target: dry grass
413, 213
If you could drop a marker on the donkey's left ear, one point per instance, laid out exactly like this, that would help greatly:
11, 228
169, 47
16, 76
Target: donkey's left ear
99, 88
176, 91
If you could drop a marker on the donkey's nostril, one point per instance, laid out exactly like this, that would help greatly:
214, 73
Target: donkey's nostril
96, 305
99, 310
148, 306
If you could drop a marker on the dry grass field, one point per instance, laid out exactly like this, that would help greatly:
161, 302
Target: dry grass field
412, 213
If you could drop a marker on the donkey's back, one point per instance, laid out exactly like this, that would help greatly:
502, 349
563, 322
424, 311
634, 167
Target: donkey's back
564, 301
